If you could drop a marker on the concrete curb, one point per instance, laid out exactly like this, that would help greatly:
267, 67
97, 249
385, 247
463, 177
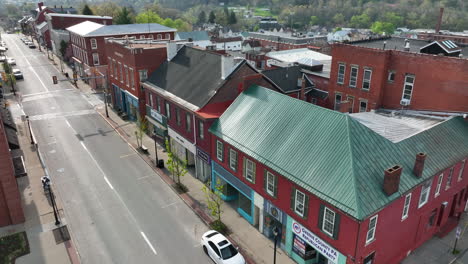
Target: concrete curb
188, 200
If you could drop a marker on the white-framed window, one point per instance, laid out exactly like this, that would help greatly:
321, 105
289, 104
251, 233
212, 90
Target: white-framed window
460, 173
270, 183
366, 80
341, 73
150, 96
188, 122
110, 66
219, 150
158, 102
391, 76
233, 159
177, 116
143, 75
439, 184
424, 196
151, 36
132, 78
408, 87
201, 130
371, 231
449, 179
127, 79
249, 170
115, 69
168, 36
95, 58
362, 106
351, 104
159, 37
142, 36
353, 75
168, 110
93, 43
337, 101
328, 223
406, 206
299, 203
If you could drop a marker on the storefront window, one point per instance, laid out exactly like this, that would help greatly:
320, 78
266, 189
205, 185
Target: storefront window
245, 204
302, 249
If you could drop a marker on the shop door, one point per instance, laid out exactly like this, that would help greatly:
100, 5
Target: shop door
369, 259
123, 100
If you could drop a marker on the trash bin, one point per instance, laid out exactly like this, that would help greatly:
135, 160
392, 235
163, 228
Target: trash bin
160, 164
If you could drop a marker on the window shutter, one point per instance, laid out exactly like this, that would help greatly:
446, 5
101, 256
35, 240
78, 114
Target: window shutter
293, 198
254, 169
265, 181
244, 168
276, 185
336, 227
320, 219
306, 205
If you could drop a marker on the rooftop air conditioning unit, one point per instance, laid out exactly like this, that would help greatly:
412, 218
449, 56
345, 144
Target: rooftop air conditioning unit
405, 102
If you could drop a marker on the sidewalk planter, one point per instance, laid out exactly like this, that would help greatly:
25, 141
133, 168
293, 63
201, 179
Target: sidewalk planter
307, 248
234, 190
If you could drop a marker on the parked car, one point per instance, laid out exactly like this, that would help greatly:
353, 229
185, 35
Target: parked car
219, 249
31, 45
18, 74
11, 61
2, 58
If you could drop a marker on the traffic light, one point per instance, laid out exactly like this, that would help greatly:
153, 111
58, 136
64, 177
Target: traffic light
54, 79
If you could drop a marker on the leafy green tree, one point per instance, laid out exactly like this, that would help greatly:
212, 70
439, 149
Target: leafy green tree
123, 17
87, 11
214, 200
10, 77
175, 165
393, 18
142, 125
107, 9
63, 48
381, 27
360, 21
211, 17
201, 18
148, 17
338, 19
314, 20
232, 18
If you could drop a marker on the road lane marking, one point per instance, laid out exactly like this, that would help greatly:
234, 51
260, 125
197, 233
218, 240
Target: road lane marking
84, 146
167, 205
128, 155
68, 124
148, 242
144, 177
108, 182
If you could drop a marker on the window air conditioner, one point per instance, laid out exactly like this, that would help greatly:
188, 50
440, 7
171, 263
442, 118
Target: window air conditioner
405, 102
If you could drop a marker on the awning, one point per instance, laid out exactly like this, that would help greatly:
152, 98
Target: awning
156, 123
12, 138
316, 93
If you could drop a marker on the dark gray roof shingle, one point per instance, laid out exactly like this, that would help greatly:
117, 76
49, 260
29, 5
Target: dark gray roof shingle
286, 78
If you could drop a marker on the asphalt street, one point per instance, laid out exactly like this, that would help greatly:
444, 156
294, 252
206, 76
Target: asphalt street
117, 208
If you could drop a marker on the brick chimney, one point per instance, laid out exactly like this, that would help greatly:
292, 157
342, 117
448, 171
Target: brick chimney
439, 21
40, 5
392, 179
303, 85
419, 164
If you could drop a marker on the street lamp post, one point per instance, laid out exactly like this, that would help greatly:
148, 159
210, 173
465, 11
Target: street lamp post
30, 130
275, 237
47, 187
105, 95
156, 151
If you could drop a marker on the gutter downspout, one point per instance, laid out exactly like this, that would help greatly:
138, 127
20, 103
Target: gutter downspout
357, 240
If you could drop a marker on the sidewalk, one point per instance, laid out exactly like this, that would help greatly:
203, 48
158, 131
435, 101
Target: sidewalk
40, 221
439, 250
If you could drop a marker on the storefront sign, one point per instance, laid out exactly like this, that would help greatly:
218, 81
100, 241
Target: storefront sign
310, 238
157, 116
275, 212
203, 156
299, 246
182, 141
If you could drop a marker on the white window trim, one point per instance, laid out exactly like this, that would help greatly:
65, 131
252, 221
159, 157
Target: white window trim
93, 43
168, 36
335, 104
302, 203
219, 150
412, 87
371, 229
232, 153
127, 81
363, 101
406, 207
421, 203
132, 78
246, 169
351, 76
462, 168
168, 110
270, 179
449, 179
344, 73
201, 130
159, 37
324, 221
440, 179
363, 79
96, 59
390, 74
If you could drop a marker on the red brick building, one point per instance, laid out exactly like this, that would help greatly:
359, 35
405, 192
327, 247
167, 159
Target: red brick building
284, 41
363, 79
129, 62
11, 211
58, 23
88, 45
312, 174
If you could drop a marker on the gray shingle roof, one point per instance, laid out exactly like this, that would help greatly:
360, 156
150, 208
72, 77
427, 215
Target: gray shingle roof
286, 78
193, 75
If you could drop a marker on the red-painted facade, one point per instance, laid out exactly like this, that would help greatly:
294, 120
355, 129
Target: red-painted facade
11, 211
459, 39
133, 58
438, 82
394, 238
63, 22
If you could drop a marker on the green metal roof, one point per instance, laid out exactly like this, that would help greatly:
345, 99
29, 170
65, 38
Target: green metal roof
329, 153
